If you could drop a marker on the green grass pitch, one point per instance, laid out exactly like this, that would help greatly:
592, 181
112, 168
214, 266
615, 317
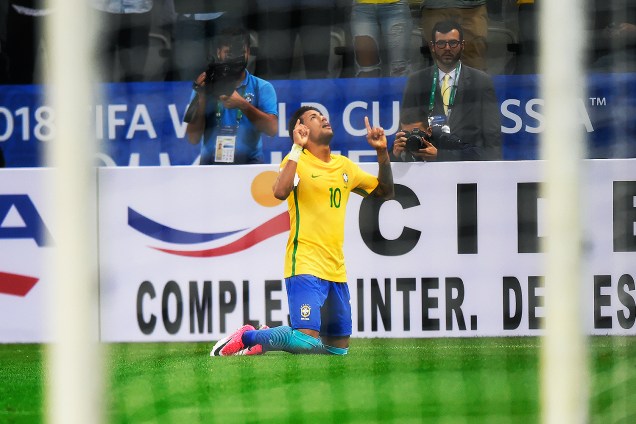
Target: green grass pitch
468, 380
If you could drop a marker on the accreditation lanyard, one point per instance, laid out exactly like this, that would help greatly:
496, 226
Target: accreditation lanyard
220, 109
451, 100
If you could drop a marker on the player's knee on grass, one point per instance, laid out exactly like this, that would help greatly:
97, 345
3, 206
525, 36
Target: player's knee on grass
304, 343
289, 340
336, 350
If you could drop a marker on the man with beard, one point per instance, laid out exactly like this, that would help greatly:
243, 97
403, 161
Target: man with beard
454, 102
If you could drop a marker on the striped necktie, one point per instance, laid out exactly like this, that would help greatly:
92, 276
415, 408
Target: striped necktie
446, 93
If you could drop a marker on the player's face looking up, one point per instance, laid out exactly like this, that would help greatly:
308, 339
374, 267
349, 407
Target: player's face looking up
319, 128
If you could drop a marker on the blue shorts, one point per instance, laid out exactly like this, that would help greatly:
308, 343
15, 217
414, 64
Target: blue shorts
319, 305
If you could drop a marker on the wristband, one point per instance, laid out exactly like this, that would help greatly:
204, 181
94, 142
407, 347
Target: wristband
294, 155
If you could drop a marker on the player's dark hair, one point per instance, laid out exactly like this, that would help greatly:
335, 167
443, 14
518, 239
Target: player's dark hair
444, 27
296, 116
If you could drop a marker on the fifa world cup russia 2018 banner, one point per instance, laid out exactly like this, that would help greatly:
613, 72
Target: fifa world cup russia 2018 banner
142, 123
191, 253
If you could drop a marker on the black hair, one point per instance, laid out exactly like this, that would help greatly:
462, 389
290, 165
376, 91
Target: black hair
412, 115
232, 36
296, 116
444, 27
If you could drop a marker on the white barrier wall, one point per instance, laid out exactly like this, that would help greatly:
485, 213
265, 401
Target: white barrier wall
190, 253
26, 239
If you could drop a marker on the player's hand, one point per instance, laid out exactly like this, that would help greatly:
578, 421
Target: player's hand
375, 136
301, 134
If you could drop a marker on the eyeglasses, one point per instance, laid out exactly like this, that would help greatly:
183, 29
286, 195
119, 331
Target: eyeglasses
441, 44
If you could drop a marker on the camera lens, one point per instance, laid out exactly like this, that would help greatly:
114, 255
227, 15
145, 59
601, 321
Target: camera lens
414, 143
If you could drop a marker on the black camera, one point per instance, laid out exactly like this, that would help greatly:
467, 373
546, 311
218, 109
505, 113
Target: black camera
415, 139
221, 77
440, 137
220, 80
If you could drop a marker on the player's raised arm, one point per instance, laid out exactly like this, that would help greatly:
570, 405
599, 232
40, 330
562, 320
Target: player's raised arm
377, 140
285, 181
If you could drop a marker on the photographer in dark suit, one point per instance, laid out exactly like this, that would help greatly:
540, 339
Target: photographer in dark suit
231, 108
455, 103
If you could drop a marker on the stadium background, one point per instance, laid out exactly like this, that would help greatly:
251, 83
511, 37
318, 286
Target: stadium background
141, 123
444, 379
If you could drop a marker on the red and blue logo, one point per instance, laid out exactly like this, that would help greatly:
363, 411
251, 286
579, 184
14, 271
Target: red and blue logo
16, 284
20, 220
247, 237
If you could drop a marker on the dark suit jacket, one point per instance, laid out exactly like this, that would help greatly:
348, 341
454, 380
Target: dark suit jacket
474, 118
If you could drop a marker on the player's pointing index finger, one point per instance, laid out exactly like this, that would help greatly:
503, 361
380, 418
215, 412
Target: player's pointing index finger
366, 124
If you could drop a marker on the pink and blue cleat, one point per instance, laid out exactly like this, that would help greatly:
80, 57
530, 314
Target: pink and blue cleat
233, 344
253, 350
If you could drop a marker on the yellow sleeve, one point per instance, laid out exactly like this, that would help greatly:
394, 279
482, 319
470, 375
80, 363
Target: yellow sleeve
364, 183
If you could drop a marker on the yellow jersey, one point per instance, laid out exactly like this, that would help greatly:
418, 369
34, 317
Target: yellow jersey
317, 207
